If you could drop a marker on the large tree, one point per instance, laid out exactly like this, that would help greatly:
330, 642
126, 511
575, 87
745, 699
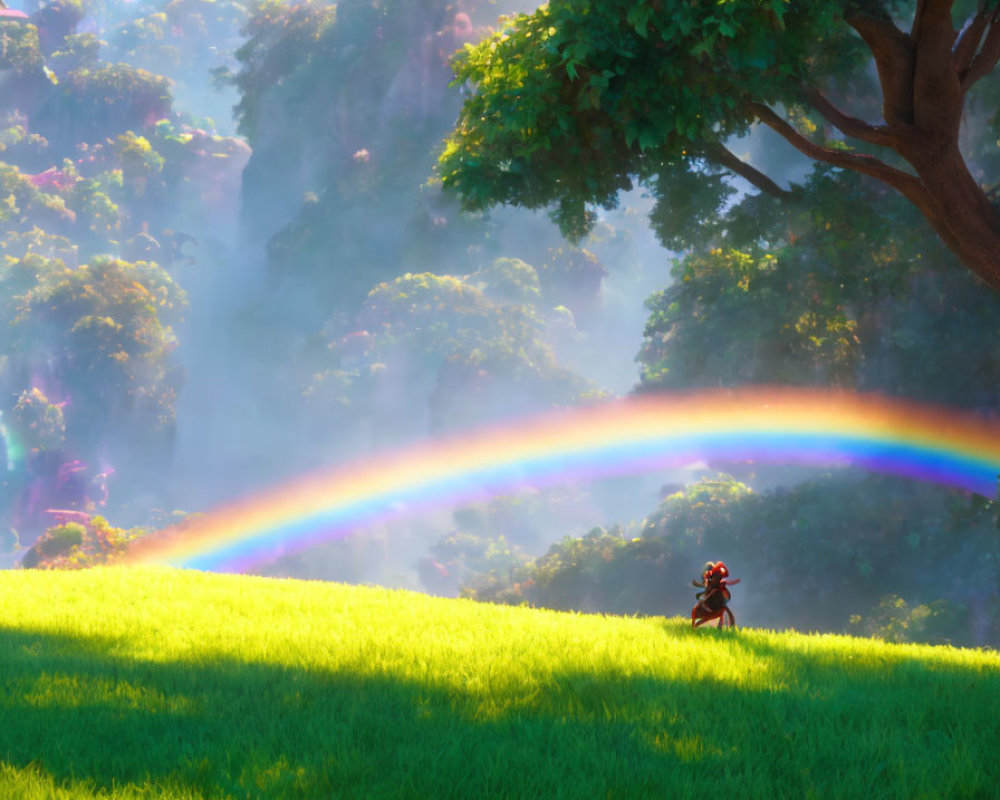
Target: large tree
578, 100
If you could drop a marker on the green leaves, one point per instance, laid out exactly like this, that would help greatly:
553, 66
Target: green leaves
639, 16
589, 98
107, 323
649, 137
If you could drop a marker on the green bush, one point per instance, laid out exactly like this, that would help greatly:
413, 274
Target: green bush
894, 620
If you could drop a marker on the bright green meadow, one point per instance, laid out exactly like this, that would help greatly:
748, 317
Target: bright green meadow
142, 682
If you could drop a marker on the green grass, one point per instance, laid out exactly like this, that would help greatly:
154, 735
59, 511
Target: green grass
154, 683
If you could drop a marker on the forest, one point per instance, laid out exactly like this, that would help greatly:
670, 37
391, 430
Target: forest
242, 242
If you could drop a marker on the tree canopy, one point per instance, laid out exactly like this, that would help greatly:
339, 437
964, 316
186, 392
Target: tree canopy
444, 352
578, 101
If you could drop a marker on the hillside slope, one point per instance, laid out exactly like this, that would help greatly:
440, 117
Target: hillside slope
147, 682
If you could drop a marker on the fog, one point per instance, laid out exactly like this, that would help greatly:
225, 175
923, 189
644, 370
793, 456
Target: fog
289, 288
254, 333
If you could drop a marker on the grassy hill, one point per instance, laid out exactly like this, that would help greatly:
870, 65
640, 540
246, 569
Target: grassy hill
155, 683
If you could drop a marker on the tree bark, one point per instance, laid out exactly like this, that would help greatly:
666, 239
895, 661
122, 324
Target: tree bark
960, 213
719, 154
924, 75
943, 189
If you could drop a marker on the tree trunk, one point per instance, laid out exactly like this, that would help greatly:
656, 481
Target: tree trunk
924, 76
959, 211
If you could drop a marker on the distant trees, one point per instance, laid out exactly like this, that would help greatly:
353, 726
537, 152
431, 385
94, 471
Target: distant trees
344, 111
831, 554
86, 363
188, 40
168, 39
850, 290
102, 184
88, 380
94, 103
435, 350
99, 335
459, 558
77, 545
28, 83
56, 20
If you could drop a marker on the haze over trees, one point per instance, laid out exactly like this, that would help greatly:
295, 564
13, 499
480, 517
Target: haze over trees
200, 300
97, 172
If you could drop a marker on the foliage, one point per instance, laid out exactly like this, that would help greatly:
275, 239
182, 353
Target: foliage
574, 103
28, 83
490, 539
183, 39
92, 193
17, 144
24, 205
508, 280
52, 248
57, 542
434, 350
574, 100
127, 186
145, 36
372, 77
787, 336
98, 211
57, 20
19, 49
467, 559
91, 104
442, 312
79, 546
138, 159
842, 287
38, 424
816, 555
240, 685
102, 335
280, 39
572, 276
893, 620
77, 51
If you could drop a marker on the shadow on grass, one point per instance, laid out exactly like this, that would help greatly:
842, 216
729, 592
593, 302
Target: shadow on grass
224, 728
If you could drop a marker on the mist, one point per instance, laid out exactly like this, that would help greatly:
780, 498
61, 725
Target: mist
285, 287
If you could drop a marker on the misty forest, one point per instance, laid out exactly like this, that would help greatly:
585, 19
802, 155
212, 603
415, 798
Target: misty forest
243, 242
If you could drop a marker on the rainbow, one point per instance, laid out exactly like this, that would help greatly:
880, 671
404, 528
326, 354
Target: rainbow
629, 435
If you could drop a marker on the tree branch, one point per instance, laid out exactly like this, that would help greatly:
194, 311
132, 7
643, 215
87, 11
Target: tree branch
936, 89
893, 53
881, 35
718, 153
933, 8
968, 42
908, 185
851, 126
987, 56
